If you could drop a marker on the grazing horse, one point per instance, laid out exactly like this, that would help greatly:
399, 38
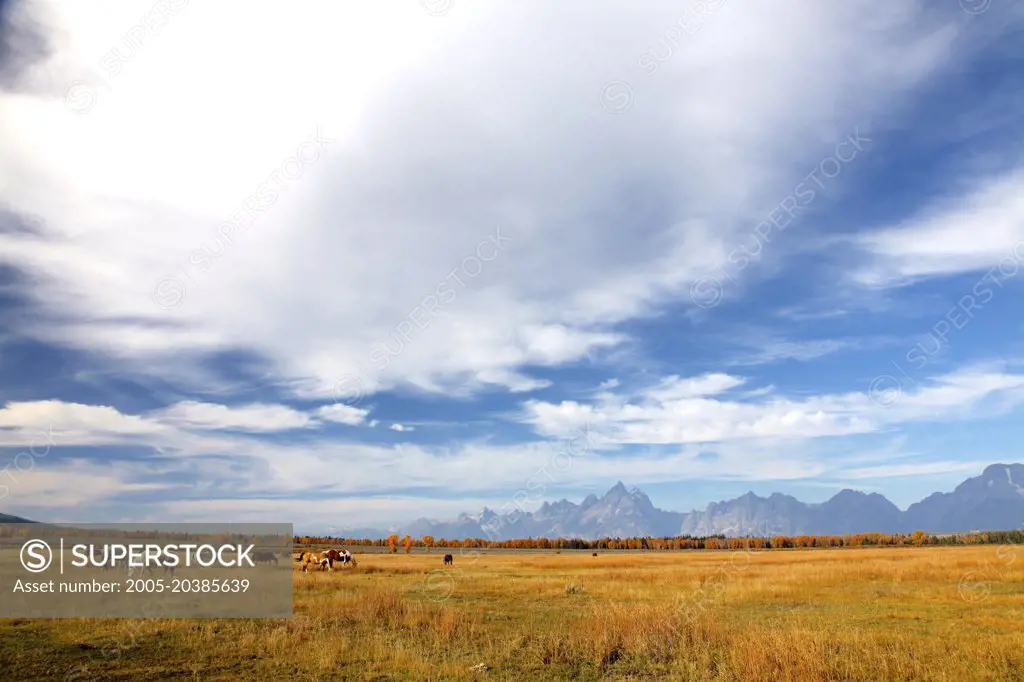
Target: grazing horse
344, 557
448, 559
138, 571
264, 558
169, 570
595, 553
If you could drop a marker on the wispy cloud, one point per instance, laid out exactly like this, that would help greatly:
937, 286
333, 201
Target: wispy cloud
933, 243
766, 348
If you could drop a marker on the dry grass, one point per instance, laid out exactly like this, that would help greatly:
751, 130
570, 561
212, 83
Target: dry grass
868, 614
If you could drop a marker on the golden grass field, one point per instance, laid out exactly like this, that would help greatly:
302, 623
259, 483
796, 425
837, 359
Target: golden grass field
851, 614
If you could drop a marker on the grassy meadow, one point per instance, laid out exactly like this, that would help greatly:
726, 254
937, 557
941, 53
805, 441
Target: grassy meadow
929, 613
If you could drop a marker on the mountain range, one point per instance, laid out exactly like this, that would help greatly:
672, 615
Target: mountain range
992, 501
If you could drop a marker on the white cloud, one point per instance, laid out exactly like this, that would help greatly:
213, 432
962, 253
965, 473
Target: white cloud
678, 411
677, 388
980, 230
344, 414
767, 348
917, 469
378, 511
256, 417
60, 423
765, 439
183, 424
71, 485
351, 253
383, 260
514, 381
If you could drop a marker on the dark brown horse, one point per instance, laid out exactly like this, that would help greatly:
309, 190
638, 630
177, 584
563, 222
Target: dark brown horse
448, 559
264, 558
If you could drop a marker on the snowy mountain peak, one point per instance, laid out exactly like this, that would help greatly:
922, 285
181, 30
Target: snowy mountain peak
617, 489
992, 501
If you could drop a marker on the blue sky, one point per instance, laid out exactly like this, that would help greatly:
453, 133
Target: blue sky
400, 264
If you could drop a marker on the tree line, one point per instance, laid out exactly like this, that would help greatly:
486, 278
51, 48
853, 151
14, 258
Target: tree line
918, 538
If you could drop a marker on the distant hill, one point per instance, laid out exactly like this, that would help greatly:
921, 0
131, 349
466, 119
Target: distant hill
7, 518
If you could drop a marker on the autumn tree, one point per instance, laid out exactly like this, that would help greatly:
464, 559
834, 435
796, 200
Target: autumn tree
428, 541
393, 543
407, 543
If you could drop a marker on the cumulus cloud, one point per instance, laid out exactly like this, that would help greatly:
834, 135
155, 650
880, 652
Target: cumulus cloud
344, 414
63, 423
679, 411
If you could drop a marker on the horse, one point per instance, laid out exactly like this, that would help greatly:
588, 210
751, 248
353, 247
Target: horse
344, 557
595, 553
448, 559
167, 568
307, 558
264, 558
137, 571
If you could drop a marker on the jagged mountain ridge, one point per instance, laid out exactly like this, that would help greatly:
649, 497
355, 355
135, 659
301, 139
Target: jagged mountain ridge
992, 501
620, 512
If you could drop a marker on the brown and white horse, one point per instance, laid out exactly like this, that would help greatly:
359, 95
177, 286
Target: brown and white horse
344, 557
307, 558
